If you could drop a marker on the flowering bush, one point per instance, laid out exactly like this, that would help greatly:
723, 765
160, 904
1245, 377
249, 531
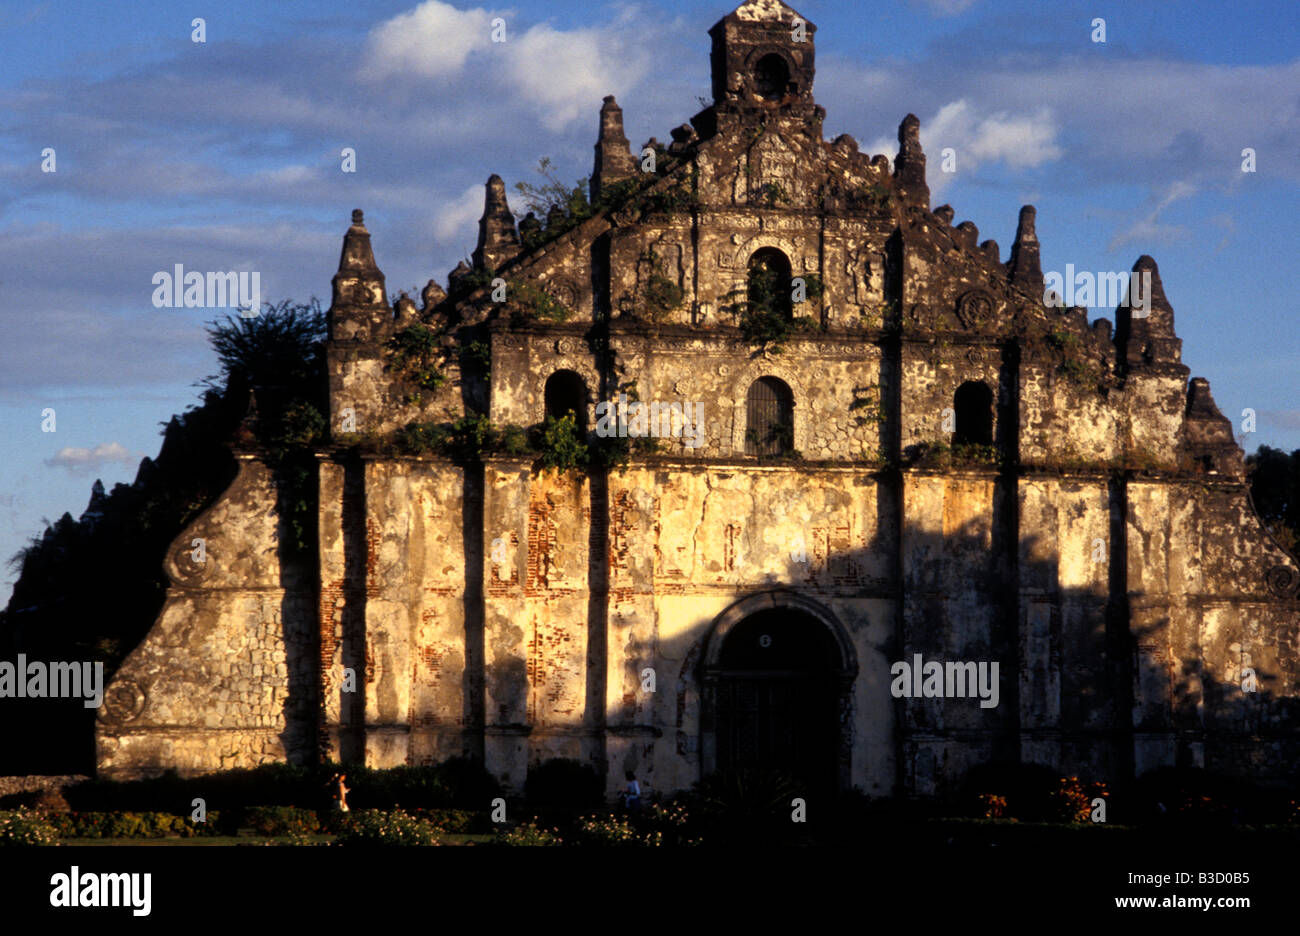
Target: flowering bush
994, 806
24, 827
1074, 799
385, 827
529, 833
614, 830
669, 815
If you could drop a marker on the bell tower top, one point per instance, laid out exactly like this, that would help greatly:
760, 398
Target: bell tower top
762, 58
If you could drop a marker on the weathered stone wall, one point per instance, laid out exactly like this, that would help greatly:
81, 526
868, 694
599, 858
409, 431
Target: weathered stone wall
1107, 558
224, 679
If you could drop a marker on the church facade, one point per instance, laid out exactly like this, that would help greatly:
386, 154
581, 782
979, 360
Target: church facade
883, 462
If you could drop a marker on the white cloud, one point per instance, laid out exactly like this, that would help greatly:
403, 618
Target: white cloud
1148, 229
1021, 141
453, 219
81, 460
563, 74
432, 41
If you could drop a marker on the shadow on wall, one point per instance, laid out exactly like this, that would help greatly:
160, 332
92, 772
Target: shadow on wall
1081, 687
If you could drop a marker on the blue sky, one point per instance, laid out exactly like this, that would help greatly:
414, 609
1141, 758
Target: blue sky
225, 155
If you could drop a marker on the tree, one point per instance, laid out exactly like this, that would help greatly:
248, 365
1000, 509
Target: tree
91, 592
283, 348
1275, 489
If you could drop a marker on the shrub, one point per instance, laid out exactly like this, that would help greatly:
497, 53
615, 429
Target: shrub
872, 197
397, 786
661, 294
267, 785
562, 447
385, 827
465, 440
282, 820
423, 438
458, 782
23, 827
532, 302
1027, 792
1074, 799
770, 329
137, 825
455, 821
301, 425
514, 440
671, 201
943, 455
614, 830
564, 783
744, 804
1195, 797
671, 822
416, 352
529, 833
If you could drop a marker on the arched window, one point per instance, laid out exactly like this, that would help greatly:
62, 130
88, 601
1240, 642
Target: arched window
771, 77
973, 405
566, 392
770, 418
769, 283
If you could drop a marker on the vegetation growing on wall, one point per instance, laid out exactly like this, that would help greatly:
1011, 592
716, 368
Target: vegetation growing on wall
416, 362
1075, 362
764, 308
661, 295
867, 406
565, 207
528, 302
943, 455
872, 197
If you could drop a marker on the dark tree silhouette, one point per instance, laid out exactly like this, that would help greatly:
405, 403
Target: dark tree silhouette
90, 589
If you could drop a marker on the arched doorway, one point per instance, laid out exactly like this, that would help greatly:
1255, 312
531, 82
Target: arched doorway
777, 679
566, 392
973, 406
768, 287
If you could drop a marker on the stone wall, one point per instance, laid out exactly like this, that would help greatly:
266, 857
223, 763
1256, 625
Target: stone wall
1104, 554
225, 678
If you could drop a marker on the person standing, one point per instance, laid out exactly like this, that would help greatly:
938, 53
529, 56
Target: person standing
632, 795
341, 792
